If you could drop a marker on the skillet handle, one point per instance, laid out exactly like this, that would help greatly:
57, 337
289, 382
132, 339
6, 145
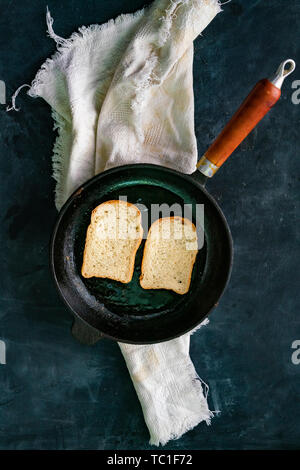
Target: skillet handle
257, 104
84, 333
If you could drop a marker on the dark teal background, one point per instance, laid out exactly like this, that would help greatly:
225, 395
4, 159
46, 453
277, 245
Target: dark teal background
57, 394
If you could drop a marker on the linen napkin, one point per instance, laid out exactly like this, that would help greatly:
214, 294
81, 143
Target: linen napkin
122, 93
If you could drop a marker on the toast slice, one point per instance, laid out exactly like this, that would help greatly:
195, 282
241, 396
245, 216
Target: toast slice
169, 255
112, 240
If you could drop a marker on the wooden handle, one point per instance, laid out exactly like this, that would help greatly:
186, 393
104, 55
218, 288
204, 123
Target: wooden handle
260, 100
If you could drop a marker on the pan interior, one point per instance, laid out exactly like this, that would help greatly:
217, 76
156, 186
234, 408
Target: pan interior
131, 298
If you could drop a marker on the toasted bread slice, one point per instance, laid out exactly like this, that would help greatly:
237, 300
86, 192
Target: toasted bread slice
112, 240
169, 255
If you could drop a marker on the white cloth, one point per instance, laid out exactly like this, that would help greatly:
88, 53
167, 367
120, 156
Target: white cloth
122, 93
168, 387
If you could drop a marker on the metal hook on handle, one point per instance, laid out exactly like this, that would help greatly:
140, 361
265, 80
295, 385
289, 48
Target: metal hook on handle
285, 68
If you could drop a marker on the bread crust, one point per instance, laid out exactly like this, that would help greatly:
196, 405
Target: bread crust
156, 222
138, 241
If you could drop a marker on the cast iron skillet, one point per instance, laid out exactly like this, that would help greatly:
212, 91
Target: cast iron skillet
126, 312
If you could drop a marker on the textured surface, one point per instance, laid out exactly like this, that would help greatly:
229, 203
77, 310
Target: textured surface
56, 393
